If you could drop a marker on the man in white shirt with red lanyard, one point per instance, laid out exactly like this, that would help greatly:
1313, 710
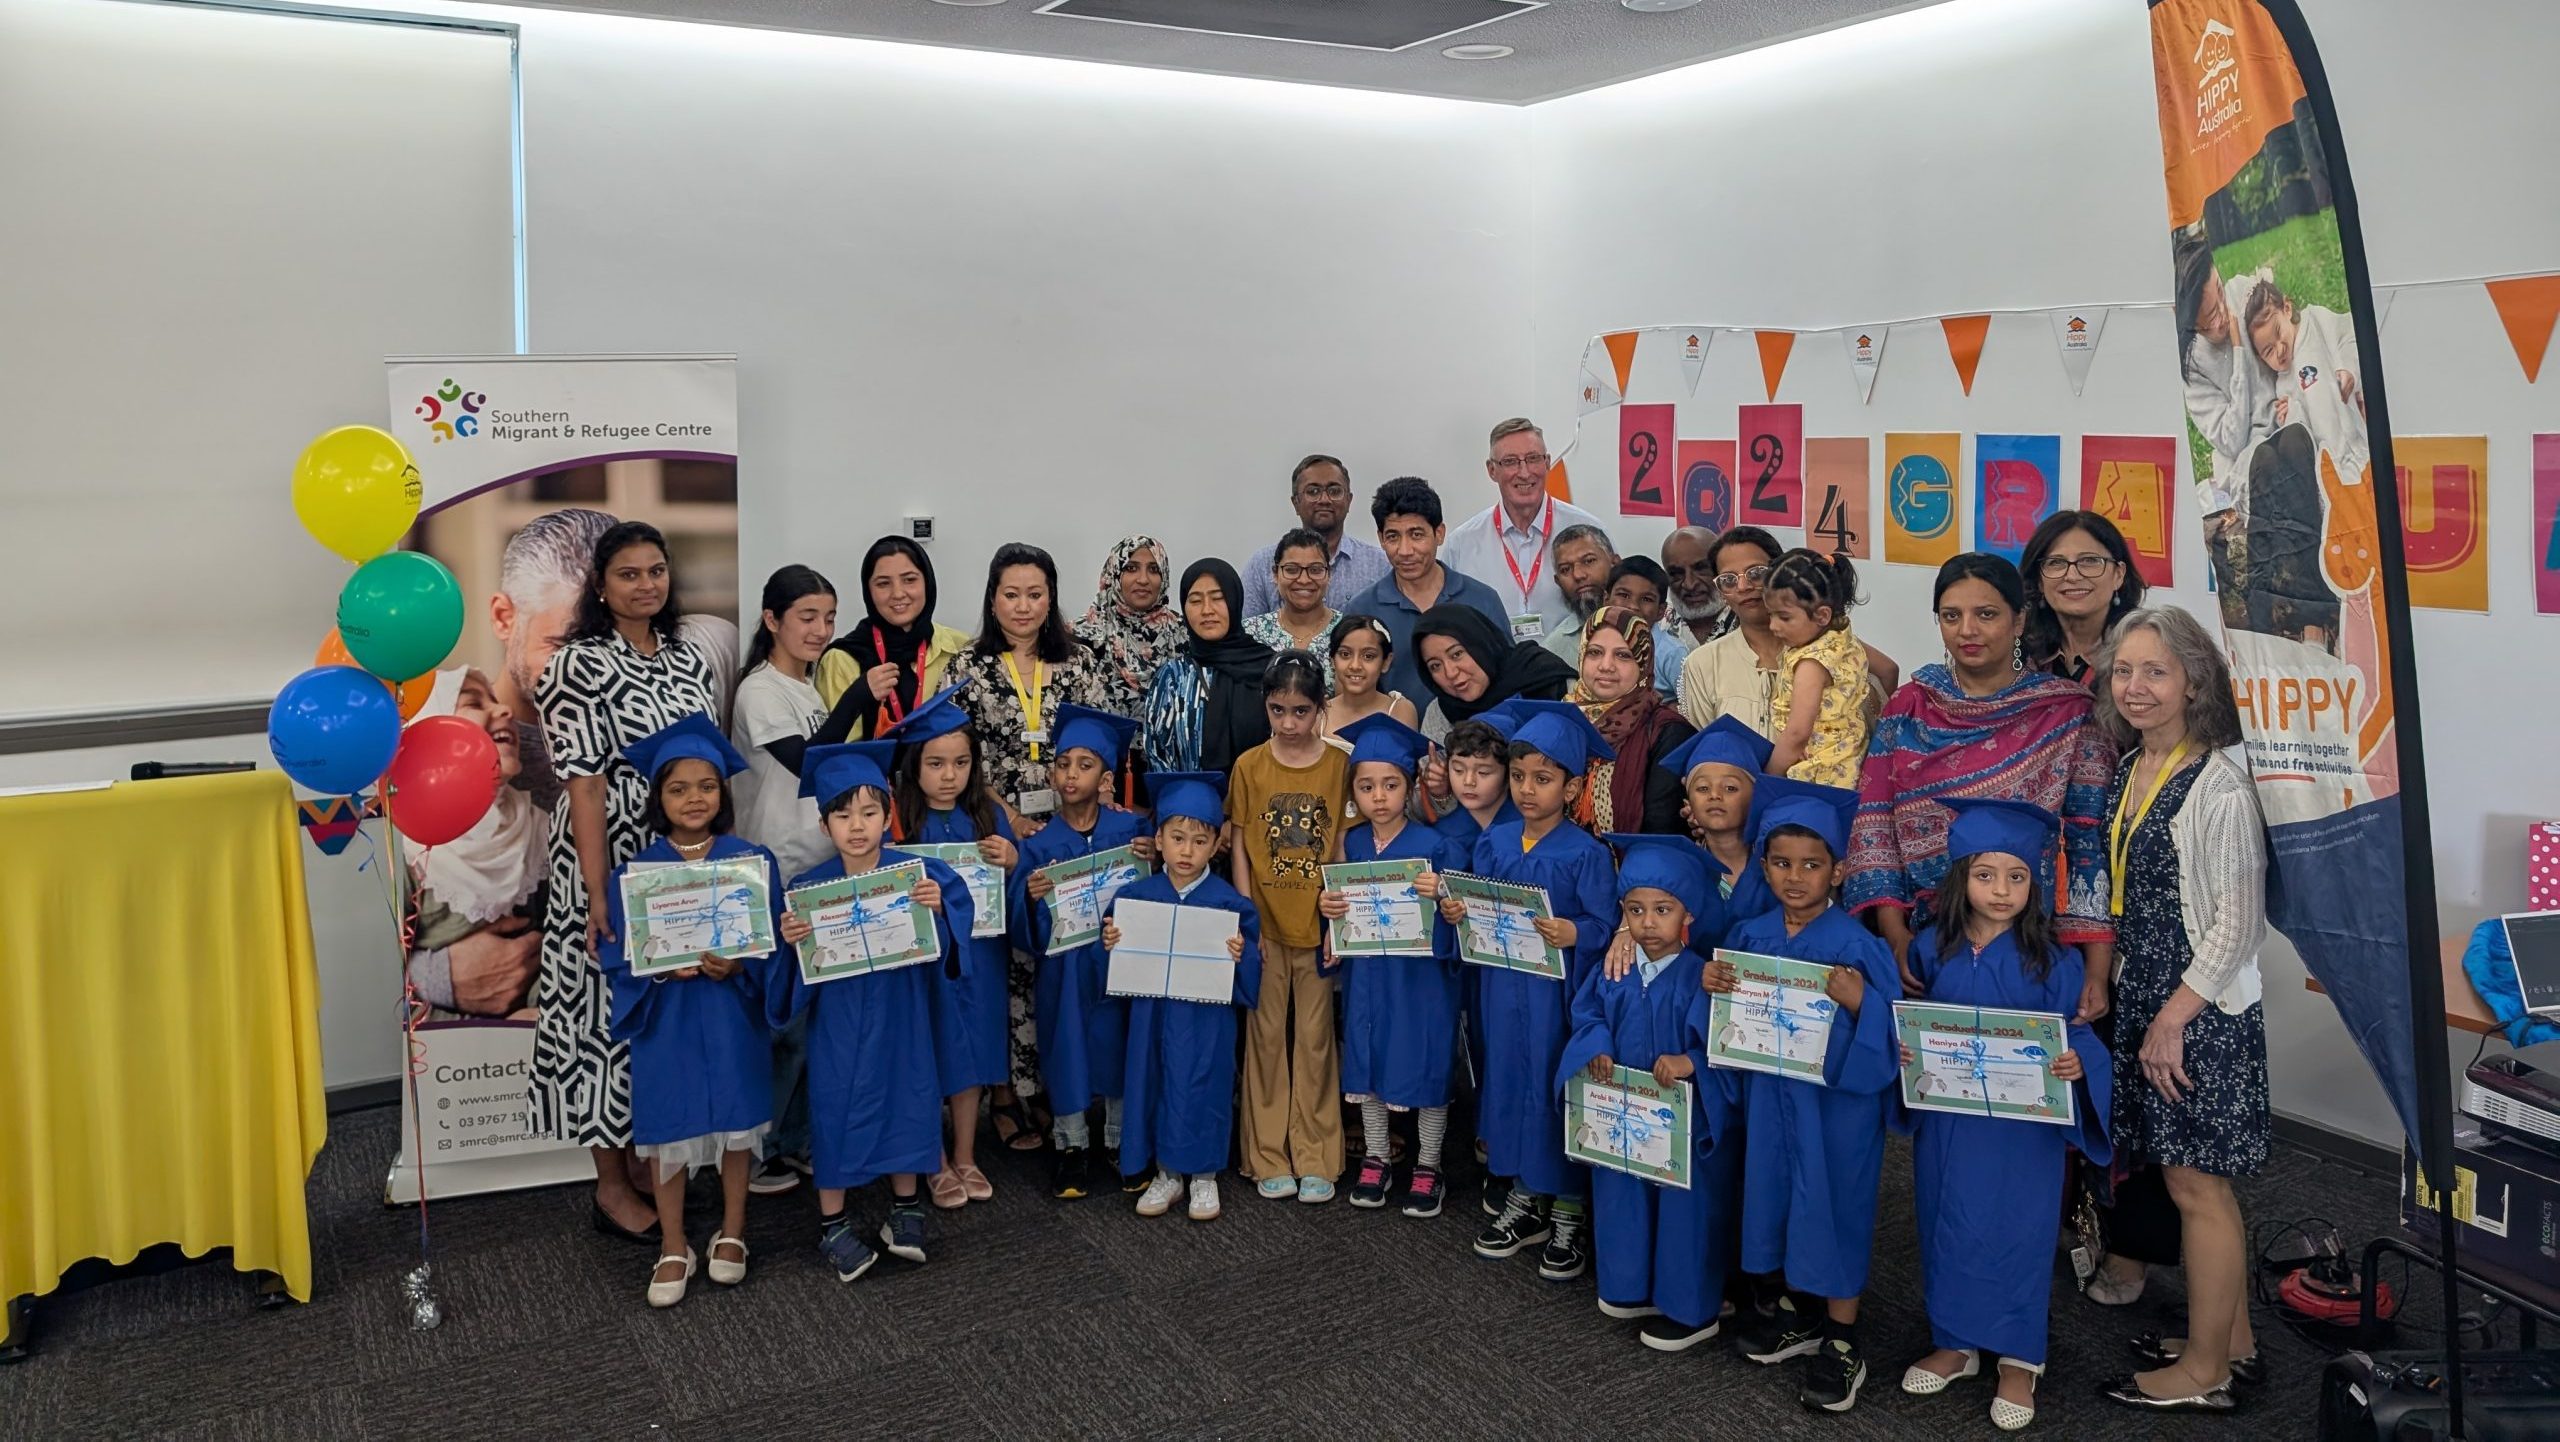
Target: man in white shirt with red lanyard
1506, 547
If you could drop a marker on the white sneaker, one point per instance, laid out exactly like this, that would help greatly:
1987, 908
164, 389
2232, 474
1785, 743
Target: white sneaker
1159, 1196
727, 1273
1204, 1198
667, 1294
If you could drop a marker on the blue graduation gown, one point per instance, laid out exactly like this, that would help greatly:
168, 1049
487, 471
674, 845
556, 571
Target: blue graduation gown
1179, 1107
1400, 1013
1527, 1018
969, 1021
1462, 833
1812, 1154
1081, 1029
875, 1084
1988, 1191
1652, 1243
700, 1060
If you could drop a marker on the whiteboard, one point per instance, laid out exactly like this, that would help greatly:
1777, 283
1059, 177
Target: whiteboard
217, 224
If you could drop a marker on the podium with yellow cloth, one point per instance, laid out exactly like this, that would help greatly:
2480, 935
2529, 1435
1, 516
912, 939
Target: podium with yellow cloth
160, 1072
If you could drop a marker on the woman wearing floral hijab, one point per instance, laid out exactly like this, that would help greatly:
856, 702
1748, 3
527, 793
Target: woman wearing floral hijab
1129, 625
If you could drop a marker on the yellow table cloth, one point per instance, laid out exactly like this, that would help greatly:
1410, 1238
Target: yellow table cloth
159, 1028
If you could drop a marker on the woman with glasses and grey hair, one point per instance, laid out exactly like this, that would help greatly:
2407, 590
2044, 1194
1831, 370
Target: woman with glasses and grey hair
2081, 580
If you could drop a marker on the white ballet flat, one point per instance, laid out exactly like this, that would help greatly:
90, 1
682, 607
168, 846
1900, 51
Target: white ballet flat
1919, 1381
2009, 1416
667, 1294
727, 1274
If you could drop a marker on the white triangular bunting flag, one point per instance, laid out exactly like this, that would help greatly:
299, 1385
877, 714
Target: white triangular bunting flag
1866, 353
2076, 333
1597, 393
1693, 355
2382, 298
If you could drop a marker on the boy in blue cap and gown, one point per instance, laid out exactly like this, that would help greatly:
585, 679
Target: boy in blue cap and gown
1724, 756
1812, 1151
1179, 1098
1082, 1030
1470, 748
1988, 1190
875, 1082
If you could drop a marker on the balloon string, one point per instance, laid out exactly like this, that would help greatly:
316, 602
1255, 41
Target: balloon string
412, 1008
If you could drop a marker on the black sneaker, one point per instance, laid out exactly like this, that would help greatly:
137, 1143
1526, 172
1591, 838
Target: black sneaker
1664, 1335
1781, 1335
1369, 1188
903, 1233
1070, 1174
1832, 1376
1568, 1252
774, 1178
843, 1250
1497, 1190
1523, 1223
1422, 1192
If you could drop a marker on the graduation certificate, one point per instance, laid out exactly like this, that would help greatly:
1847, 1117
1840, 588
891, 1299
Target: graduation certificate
866, 923
1081, 890
1983, 1061
673, 913
1630, 1123
1388, 917
1497, 930
1776, 1019
984, 879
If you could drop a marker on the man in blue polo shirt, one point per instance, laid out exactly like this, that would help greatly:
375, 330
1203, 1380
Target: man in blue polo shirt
1410, 530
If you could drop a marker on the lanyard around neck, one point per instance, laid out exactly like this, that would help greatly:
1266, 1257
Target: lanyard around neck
1028, 698
2120, 836
1538, 562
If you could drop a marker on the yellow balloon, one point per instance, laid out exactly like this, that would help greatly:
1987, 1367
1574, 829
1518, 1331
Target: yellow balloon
356, 491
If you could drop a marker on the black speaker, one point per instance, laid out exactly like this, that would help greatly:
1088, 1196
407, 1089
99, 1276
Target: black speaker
2399, 1397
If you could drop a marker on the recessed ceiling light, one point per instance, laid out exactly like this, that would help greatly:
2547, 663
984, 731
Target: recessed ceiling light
1654, 6
1477, 52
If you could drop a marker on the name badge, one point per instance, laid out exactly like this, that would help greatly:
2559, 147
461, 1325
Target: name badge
1036, 803
1528, 626
1036, 735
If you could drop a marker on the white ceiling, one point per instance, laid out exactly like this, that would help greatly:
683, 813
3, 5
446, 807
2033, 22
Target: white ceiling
1559, 48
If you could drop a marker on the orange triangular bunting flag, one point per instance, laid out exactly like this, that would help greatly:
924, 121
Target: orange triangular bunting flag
1558, 484
1775, 346
1964, 344
2528, 305
1622, 354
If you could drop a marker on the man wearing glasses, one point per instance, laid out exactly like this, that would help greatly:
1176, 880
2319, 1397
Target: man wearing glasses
1506, 546
1320, 492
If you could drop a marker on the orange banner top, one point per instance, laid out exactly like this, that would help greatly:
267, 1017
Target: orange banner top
1622, 355
2226, 80
1775, 346
2527, 306
1559, 485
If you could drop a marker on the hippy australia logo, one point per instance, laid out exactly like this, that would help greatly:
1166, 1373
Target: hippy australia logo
2218, 99
451, 412
2308, 375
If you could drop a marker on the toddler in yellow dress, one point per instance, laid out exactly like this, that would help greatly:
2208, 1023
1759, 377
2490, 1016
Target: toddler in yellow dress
1819, 715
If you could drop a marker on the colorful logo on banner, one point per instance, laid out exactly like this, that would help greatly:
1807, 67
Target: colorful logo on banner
1866, 353
2016, 485
2444, 500
1706, 484
333, 821
2075, 334
450, 412
1769, 491
1693, 356
2132, 481
1645, 461
2546, 534
1835, 488
1920, 469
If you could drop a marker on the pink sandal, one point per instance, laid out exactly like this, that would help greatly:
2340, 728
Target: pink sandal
947, 1190
975, 1183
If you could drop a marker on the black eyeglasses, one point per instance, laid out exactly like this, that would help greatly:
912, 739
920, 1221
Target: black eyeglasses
1732, 581
2089, 567
1335, 492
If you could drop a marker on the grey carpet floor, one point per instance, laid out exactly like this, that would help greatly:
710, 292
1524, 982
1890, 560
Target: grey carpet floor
1034, 1318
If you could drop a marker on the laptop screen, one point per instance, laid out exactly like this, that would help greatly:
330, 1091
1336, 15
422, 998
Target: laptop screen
2533, 939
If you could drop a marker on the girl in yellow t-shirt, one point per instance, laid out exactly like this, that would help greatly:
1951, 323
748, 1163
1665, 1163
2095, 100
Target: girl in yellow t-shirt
1818, 715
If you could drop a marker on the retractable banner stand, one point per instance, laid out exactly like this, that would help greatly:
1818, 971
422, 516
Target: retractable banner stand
2279, 344
525, 462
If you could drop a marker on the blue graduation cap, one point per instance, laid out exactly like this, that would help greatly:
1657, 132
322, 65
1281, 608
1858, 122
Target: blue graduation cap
1826, 811
1505, 719
1199, 795
1666, 863
1081, 728
938, 715
2011, 828
694, 736
1726, 742
1381, 737
827, 772
1560, 732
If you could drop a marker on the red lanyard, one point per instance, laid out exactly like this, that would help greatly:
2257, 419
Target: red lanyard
1539, 562
890, 706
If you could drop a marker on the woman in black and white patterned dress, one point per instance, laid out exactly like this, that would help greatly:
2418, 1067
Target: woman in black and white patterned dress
620, 676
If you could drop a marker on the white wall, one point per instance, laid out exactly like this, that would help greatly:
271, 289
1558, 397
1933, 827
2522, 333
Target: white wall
1989, 154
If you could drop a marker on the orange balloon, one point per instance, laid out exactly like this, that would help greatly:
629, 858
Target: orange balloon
410, 694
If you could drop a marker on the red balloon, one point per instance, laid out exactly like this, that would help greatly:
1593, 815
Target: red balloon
442, 781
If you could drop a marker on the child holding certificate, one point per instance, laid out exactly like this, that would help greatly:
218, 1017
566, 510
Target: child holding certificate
875, 1082
1083, 1030
1180, 1089
1812, 1153
1400, 1011
1988, 1190
940, 796
1474, 767
701, 1068
1527, 1017
1660, 1251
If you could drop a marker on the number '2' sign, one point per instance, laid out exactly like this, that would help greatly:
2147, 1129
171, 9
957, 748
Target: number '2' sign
1645, 478
1771, 489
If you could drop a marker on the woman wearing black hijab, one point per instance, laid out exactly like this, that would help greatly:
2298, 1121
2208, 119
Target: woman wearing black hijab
1205, 708
1470, 667
895, 656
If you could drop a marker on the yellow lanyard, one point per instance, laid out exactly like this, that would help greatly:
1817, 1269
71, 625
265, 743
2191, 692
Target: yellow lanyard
2120, 836
1029, 701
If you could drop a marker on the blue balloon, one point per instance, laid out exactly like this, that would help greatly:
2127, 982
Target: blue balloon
333, 729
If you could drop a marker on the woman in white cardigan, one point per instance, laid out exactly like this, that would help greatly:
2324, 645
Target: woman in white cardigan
2186, 847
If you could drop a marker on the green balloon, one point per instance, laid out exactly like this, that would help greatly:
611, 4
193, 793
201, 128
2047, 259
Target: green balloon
400, 615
